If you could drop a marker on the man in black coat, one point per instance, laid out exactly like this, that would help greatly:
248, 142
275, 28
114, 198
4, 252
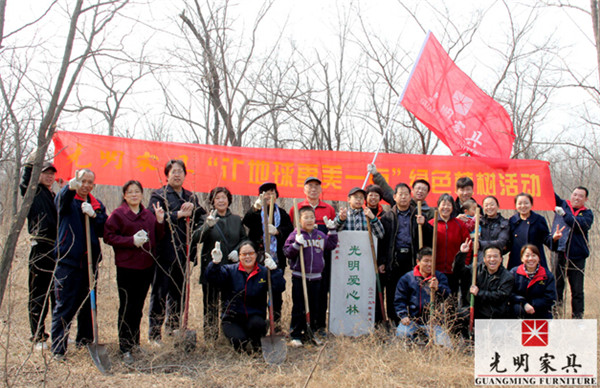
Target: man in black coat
397, 250
180, 206
41, 224
493, 285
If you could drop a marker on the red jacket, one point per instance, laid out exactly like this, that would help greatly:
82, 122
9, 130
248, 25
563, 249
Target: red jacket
119, 230
450, 236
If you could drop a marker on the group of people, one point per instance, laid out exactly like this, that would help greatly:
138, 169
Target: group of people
527, 287
154, 247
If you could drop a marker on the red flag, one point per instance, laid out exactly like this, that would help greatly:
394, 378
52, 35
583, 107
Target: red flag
449, 103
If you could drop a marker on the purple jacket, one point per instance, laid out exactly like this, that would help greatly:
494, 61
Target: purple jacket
119, 230
317, 243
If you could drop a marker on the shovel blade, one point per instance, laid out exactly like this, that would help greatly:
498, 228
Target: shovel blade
99, 355
274, 349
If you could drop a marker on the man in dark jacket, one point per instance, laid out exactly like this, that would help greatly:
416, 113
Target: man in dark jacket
181, 206
413, 295
573, 247
279, 230
399, 245
41, 224
74, 203
493, 285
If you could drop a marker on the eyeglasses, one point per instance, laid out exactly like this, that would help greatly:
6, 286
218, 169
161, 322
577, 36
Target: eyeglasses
247, 254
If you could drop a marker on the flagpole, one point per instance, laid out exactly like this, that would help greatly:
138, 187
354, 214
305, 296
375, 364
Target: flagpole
393, 114
387, 129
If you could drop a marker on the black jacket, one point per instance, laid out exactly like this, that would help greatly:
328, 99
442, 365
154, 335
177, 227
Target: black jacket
493, 297
253, 221
173, 245
387, 245
494, 232
42, 217
228, 230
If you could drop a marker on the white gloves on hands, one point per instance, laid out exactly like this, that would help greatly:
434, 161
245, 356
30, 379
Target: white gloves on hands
87, 209
272, 230
330, 224
216, 253
300, 240
270, 263
258, 203
560, 211
74, 184
371, 168
140, 238
233, 256
211, 220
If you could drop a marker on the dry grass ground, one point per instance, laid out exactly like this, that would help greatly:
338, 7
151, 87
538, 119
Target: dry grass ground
344, 362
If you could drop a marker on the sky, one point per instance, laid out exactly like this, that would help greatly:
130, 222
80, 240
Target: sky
313, 25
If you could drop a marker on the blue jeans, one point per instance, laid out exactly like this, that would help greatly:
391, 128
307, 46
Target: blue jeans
409, 331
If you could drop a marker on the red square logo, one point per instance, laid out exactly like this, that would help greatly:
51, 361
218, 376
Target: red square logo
534, 332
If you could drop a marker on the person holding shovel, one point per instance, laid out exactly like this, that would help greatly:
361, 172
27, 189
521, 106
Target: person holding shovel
182, 213
133, 231
313, 190
398, 248
314, 244
226, 228
244, 289
493, 285
75, 202
279, 230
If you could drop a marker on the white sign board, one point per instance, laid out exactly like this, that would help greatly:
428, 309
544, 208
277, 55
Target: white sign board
536, 352
353, 287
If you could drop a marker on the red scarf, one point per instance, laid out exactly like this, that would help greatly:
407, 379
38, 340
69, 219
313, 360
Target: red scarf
95, 203
575, 212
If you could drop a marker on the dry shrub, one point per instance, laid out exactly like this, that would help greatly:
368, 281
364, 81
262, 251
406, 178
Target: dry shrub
376, 360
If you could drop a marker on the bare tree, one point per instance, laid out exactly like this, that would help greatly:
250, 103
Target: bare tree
96, 17
327, 115
227, 97
116, 72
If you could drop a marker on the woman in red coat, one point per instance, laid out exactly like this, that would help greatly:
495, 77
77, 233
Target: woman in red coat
133, 231
452, 232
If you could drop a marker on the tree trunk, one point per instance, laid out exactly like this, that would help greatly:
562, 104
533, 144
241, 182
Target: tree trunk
596, 27
45, 133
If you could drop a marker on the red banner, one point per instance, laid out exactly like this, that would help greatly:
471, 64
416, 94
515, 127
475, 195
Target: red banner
449, 103
115, 160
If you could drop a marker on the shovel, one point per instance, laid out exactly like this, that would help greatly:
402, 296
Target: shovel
185, 338
274, 349
386, 322
97, 351
309, 331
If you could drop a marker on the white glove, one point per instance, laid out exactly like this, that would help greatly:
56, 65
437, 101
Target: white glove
233, 256
140, 238
87, 208
300, 240
371, 169
330, 224
559, 210
270, 263
75, 182
216, 253
272, 230
211, 220
258, 203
